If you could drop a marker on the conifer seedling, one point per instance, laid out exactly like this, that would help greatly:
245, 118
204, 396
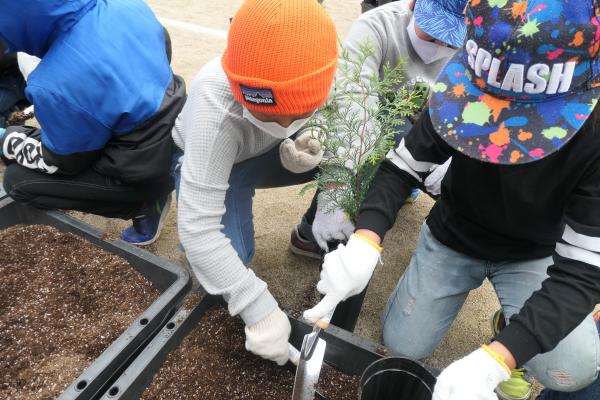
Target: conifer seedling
357, 127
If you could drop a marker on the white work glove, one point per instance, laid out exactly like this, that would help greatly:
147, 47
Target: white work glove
330, 224
346, 272
474, 377
268, 338
27, 64
301, 155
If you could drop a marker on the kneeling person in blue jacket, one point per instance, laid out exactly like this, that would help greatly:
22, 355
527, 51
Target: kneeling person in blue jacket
106, 100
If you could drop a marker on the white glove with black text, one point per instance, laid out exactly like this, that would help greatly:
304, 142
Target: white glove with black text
330, 224
301, 155
474, 377
268, 338
346, 272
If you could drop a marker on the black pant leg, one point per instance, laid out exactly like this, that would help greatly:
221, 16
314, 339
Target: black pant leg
88, 192
311, 212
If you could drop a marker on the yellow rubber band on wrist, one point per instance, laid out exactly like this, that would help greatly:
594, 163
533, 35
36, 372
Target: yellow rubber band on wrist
496, 357
372, 243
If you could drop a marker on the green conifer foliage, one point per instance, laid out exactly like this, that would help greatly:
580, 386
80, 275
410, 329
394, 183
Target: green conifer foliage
357, 126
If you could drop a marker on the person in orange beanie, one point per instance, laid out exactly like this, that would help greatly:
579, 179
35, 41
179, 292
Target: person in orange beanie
242, 128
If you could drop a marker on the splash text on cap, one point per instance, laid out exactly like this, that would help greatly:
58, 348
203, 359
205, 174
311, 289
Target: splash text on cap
537, 78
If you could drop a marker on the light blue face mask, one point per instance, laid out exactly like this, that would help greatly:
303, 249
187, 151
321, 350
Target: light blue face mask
273, 128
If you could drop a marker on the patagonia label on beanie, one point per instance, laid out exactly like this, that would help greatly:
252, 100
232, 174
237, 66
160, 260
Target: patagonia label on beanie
259, 96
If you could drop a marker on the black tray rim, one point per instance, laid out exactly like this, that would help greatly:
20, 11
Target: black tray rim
107, 367
138, 376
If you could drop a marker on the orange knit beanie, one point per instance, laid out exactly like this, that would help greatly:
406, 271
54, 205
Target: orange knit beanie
281, 56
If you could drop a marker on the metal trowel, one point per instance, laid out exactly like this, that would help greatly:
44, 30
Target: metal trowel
310, 360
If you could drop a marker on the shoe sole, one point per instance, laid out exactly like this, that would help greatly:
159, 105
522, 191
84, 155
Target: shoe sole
503, 396
304, 253
161, 222
493, 324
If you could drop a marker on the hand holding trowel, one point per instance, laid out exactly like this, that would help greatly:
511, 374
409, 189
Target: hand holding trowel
346, 272
309, 360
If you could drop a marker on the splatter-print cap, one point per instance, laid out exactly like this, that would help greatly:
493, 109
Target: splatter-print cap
525, 82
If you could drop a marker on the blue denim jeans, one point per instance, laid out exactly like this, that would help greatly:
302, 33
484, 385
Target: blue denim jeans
434, 287
262, 172
589, 393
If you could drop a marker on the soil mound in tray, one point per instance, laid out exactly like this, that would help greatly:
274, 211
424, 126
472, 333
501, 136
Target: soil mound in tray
62, 302
19, 118
212, 364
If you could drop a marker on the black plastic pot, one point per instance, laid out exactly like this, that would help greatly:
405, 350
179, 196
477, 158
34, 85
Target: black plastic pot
346, 352
172, 281
396, 378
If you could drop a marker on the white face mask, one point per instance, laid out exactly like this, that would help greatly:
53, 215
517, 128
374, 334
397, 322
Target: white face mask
428, 51
273, 128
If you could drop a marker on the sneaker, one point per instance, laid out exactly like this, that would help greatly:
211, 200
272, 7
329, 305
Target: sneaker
148, 223
303, 247
413, 196
518, 387
498, 322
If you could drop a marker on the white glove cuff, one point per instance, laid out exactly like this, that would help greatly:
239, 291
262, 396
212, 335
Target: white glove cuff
497, 372
368, 252
276, 319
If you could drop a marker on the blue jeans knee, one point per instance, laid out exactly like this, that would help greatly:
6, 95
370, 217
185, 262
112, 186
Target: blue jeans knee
573, 364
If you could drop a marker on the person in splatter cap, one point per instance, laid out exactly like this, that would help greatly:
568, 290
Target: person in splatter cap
520, 204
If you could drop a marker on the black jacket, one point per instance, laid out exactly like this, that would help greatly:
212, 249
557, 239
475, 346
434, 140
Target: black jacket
549, 207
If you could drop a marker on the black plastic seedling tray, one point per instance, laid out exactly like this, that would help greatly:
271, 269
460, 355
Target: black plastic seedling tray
345, 351
172, 281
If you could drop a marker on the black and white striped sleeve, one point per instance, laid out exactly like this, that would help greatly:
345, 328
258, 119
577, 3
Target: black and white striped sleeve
572, 289
408, 166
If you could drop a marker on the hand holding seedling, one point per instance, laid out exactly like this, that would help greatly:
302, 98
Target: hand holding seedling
359, 123
301, 155
331, 222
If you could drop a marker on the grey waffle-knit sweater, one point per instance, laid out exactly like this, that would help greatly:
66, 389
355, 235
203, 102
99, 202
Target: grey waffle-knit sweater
215, 136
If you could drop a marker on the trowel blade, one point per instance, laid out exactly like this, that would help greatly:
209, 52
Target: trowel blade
309, 369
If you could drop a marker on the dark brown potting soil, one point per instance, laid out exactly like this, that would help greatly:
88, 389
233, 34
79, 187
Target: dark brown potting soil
62, 302
19, 118
212, 364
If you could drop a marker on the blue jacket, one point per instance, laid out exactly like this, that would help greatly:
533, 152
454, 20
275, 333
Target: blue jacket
104, 93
